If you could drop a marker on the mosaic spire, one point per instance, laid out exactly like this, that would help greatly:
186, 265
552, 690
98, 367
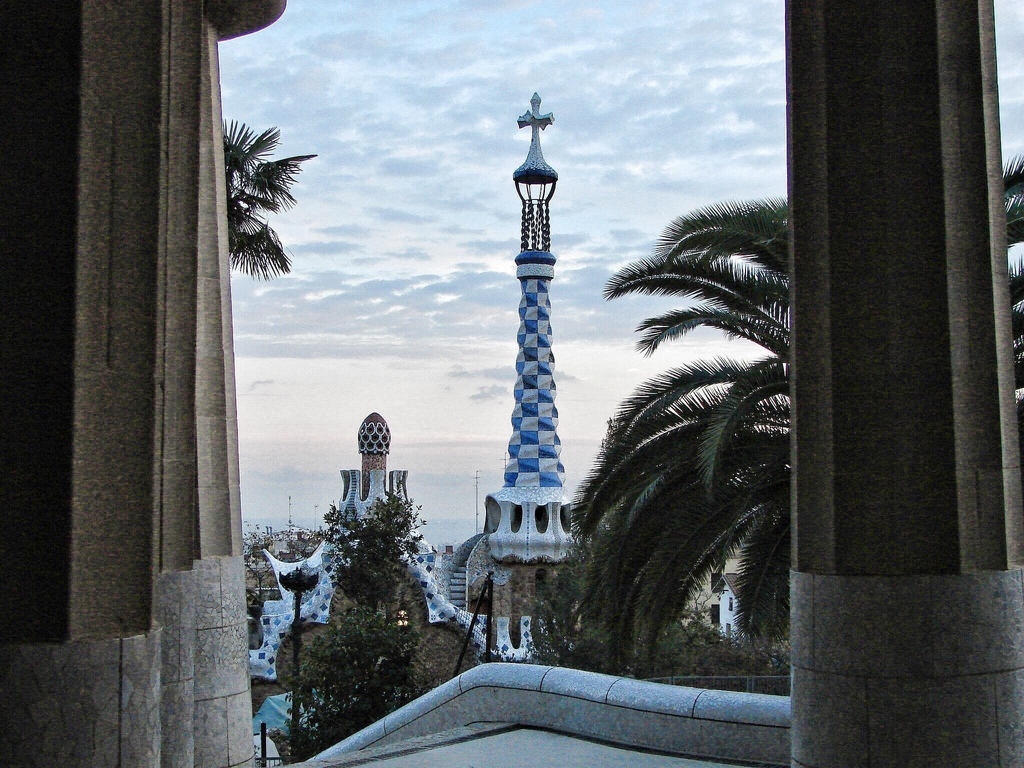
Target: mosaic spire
528, 519
534, 447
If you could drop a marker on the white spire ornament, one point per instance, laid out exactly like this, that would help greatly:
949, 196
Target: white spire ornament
528, 520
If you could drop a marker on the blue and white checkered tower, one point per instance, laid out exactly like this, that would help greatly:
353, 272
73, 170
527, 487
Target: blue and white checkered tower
528, 519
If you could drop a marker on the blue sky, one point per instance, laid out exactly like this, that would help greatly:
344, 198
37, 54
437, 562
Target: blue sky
403, 298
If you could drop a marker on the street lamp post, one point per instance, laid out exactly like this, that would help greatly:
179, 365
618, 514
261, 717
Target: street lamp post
297, 581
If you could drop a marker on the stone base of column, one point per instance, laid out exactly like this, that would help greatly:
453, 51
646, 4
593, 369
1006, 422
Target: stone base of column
174, 610
90, 704
908, 671
223, 707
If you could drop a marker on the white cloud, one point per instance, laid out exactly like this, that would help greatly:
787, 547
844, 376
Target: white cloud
407, 223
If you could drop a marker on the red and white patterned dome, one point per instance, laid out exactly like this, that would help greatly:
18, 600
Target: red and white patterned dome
374, 435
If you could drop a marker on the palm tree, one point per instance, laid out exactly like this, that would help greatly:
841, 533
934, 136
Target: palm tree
256, 186
695, 466
1013, 185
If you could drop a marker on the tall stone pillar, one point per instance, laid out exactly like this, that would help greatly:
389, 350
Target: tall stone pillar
175, 434
102, 106
908, 605
223, 713
80, 669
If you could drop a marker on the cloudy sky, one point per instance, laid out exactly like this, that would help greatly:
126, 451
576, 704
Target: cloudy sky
403, 297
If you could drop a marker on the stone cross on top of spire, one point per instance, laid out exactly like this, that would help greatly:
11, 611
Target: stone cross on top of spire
534, 117
535, 170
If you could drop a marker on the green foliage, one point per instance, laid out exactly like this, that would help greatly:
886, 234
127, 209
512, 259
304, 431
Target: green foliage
360, 668
695, 465
561, 638
1013, 180
370, 551
1013, 186
351, 676
256, 186
686, 645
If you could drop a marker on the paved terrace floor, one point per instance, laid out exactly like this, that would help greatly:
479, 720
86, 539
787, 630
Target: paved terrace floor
509, 746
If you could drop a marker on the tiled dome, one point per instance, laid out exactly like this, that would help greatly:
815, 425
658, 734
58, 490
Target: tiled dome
374, 435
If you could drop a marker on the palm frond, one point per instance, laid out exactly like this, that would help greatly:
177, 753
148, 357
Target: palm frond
769, 333
1013, 176
695, 465
1015, 217
696, 460
763, 579
256, 186
752, 229
761, 381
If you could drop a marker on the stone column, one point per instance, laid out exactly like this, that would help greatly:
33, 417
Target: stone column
223, 711
175, 588
97, 402
89, 704
223, 714
223, 708
212, 395
175, 611
908, 605
80, 673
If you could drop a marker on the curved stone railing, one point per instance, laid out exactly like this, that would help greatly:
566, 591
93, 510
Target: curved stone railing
687, 721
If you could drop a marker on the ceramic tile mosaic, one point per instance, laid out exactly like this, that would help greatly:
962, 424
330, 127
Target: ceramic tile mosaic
534, 447
278, 615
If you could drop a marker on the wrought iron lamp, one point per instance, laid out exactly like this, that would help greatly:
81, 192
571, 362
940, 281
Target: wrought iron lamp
297, 581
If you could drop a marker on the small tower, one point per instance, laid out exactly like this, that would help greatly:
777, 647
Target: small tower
366, 485
374, 441
528, 519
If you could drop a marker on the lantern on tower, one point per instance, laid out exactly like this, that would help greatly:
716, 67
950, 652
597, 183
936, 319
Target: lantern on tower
535, 182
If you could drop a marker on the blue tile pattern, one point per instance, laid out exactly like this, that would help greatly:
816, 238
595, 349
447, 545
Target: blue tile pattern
440, 609
278, 615
534, 448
